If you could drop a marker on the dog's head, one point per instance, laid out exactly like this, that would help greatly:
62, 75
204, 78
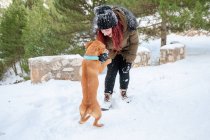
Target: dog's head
94, 48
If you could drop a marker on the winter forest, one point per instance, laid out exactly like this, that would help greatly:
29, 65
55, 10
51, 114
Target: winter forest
169, 101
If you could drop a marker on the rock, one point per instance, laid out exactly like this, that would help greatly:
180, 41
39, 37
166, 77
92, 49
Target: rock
142, 58
62, 67
172, 53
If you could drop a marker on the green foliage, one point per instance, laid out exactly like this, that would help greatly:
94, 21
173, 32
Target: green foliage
30, 3
138, 7
38, 37
26, 78
198, 21
41, 35
185, 15
78, 50
24, 65
12, 23
77, 17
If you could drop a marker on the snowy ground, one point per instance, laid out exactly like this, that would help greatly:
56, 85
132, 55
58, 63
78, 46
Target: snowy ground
170, 102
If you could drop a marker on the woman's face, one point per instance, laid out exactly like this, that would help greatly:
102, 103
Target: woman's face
107, 32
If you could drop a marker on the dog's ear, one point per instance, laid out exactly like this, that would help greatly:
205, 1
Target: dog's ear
88, 44
101, 48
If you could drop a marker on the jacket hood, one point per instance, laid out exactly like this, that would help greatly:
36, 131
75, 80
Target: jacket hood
127, 18
130, 22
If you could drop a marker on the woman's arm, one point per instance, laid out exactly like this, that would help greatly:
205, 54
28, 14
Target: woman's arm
133, 46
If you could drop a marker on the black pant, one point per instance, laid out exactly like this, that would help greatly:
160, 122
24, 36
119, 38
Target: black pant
118, 64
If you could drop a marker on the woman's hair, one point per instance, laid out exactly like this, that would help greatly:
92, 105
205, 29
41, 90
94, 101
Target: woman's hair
117, 36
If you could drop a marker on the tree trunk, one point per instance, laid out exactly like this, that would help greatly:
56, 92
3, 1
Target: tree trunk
163, 33
15, 69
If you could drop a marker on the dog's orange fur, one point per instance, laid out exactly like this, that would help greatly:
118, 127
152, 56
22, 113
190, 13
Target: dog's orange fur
90, 70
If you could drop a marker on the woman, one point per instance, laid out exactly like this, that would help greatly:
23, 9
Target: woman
117, 29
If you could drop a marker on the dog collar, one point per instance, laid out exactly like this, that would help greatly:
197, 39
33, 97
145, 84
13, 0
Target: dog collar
89, 57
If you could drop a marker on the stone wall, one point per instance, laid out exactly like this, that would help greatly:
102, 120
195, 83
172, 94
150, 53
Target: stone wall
64, 67
142, 58
172, 53
68, 67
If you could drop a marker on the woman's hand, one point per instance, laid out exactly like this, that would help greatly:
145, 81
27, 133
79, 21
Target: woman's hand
103, 57
108, 61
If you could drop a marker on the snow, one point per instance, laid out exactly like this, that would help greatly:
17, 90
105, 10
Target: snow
46, 6
143, 49
50, 58
193, 45
172, 46
10, 77
169, 102
148, 21
5, 3
89, 2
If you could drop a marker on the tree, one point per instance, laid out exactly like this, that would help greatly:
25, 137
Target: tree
12, 23
38, 36
77, 17
178, 16
132, 5
1, 69
201, 16
174, 15
30, 3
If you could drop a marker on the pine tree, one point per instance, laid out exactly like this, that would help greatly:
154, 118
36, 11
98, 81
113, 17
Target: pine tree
12, 24
179, 16
31, 3
42, 32
77, 18
174, 16
38, 36
201, 18
132, 5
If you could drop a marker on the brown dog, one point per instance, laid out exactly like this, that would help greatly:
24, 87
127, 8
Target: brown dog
91, 67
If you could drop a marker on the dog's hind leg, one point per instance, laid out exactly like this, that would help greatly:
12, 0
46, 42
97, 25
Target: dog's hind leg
96, 123
84, 119
97, 115
84, 115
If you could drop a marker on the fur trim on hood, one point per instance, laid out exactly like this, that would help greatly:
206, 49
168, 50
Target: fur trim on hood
132, 23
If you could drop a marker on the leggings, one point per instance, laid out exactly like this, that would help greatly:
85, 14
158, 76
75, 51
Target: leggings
117, 64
